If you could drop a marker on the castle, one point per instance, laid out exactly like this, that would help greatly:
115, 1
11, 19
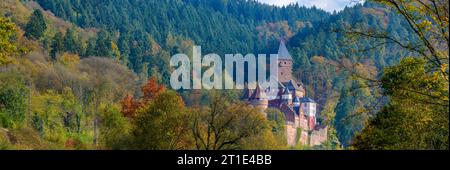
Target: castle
290, 98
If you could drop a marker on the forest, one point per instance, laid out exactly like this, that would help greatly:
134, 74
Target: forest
95, 74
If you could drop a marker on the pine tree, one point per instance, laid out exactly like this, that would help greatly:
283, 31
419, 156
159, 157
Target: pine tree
344, 107
36, 25
90, 49
71, 42
103, 47
57, 45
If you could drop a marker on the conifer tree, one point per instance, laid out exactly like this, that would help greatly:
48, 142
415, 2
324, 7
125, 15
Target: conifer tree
104, 44
71, 42
57, 45
36, 25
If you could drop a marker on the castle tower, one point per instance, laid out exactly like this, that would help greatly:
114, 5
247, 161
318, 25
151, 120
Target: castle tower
259, 98
284, 63
309, 107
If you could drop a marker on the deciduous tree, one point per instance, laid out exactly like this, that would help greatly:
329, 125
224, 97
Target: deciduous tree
162, 124
7, 48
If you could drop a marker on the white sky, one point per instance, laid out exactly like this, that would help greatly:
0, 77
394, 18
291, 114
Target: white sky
327, 5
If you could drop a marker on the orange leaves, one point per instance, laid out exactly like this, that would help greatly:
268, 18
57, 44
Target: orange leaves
275, 30
129, 106
150, 90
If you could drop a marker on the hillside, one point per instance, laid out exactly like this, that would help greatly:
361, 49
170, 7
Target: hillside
37, 90
242, 26
90, 74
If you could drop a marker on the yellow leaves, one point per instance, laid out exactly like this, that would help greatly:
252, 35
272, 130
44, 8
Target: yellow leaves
7, 48
4, 59
275, 30
299, 25
425, 24
115, 51
155, 47
69, 60
444, 72
46, 103
367, 70
318, 59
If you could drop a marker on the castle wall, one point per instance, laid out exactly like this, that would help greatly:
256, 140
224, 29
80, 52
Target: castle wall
291, 134
303, 123
297, 121
304, 137
319, 136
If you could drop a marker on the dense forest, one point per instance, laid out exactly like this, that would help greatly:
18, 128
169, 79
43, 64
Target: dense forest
95, 74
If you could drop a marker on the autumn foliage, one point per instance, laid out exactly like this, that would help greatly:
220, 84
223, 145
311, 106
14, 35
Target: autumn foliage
129, 106
150, 90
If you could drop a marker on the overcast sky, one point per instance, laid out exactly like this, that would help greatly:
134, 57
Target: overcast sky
327, 5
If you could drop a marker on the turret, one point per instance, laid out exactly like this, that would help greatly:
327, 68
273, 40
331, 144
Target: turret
259, 98
286, 98
309, 107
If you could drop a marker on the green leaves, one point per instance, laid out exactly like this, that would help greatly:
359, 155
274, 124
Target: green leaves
13, 100
162, 124
417, 114
413, 80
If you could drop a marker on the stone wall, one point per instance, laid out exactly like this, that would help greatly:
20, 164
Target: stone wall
304, 137
291, 134
319, 136
303, 122
316, 137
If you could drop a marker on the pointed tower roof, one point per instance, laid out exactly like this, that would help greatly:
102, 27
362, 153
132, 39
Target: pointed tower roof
275, 78
291, 85
296, 100
287, 91
283, 53
307, 100
258, 93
